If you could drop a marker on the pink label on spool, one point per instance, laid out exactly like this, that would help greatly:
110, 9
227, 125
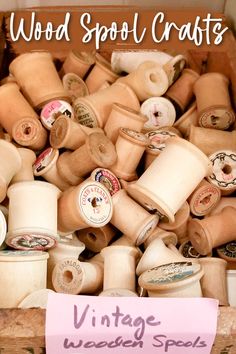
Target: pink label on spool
43, 160
53, 110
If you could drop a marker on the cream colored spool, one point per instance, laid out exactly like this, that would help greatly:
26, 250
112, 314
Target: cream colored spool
74, 86
119, 267
231, 287
28, 157
93, 110
95, 239
130, 146
224, 170
123, 117
100, 73
128, 61
167, 236
37, 77
148, 80
78, 63
38, 299
159, 111
181, 279
212, 140
157, 254
65, 248
46, 166
189, 118
169, 180
131, 219
71, 276
66, 133
87, 205
214, 268
10, 165
13, 106
21, 272
32, 219
179, 226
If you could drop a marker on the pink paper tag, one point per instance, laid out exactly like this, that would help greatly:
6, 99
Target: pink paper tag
91, 324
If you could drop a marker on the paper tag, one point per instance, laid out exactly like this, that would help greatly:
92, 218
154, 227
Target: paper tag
87, 324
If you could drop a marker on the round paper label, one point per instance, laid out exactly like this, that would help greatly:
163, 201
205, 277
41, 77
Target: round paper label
159, 111
189, 251
219, 118
85, 116
75, 86
32, 241
108, 179
204, 200
52, 110
158, 138
95, 204
229, 249
224, 169
43, 160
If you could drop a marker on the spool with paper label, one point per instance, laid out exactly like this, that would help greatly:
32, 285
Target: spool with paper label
54, 109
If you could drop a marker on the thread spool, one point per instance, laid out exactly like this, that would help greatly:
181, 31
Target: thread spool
10, 165
231, 289
159, 111
13, 106
38, 298
107, 178
98, 150
120, 117
224, 201
15, 263
213, 231
179, 226
52, 110
130, 146
212, 140
148, 80
224, 171
100, 73
74, 86
167, 236
131, 219
119, 267
78, 63
213, 101
179, 279
214, 268
65, 248
46, 166
45, 85
156, 254
32, 222
66, 133
228, 253
93, 110
128, 61
157, 185
87, 205
188, 251
181, 92
157, 139
204, 198
71, 276
174, 67
28, 157
29, 132
189, 118
95, 239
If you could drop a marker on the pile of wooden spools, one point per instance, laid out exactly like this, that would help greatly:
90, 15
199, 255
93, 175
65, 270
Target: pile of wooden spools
117, 177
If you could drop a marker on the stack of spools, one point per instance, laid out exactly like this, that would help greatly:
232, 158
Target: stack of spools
112, 171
